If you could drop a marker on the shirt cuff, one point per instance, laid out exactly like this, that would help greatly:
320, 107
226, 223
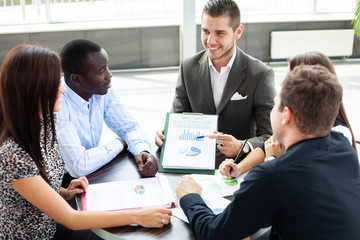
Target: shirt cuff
250, 145
189, 200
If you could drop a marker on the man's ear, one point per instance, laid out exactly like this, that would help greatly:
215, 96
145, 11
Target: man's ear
75, 79
239, 31
287, 116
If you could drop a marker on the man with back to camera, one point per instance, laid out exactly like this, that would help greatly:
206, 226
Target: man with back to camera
88, 101
312, 191
224, 80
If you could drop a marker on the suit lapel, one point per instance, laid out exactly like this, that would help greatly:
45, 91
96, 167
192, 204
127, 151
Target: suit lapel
236, 76
203, 76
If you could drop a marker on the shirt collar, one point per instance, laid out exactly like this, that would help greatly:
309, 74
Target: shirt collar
229, 64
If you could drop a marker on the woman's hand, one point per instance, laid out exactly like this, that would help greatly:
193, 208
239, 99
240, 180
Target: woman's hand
273, 147
76, 186
153, 217
229, 168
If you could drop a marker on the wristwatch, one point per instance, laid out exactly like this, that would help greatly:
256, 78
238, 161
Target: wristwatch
246, 149
269, 158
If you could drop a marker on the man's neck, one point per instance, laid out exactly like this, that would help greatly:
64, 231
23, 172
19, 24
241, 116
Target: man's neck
223, 61
293, 137
85, 96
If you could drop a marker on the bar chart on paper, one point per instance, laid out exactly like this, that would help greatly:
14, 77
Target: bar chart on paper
185, 145
190, 136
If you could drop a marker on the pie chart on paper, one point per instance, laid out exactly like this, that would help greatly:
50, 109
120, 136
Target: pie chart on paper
189, 151
139, 189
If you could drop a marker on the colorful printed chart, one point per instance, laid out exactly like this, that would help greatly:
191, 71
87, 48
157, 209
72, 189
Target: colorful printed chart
189, 151
218, 185
189, 136
187, 147
231, 181
139, 189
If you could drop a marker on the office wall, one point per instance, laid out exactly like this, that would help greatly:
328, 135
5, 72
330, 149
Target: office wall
147, 47
127, 48
255, 39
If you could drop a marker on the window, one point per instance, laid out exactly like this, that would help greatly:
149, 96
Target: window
58, 11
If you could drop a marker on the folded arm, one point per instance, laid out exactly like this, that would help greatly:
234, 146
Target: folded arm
80, 161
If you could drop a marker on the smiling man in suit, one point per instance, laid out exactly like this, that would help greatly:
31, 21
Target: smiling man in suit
224, 80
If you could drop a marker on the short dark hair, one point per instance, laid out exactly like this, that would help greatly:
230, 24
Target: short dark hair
29, 84
314, 95
74, 56
216, 8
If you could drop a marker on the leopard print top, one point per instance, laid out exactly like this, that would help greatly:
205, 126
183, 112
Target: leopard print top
19, 219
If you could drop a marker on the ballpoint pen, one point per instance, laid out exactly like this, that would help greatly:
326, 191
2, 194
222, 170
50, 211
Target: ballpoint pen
237, 156
204, 136
241, 149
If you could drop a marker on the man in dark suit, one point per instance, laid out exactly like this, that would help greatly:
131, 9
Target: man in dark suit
224, 80
312, 191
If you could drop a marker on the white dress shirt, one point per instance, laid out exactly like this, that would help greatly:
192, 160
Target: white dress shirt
79, 127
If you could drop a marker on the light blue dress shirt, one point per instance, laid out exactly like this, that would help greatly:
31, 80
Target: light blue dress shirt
79, 127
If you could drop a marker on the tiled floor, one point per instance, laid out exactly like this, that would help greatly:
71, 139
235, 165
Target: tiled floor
148, 94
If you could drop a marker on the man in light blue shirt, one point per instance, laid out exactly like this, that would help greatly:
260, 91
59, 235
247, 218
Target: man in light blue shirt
88, 102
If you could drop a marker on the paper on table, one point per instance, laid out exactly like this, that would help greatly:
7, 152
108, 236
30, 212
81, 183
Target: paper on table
128, 195
216, 204
214, 188
218, 185
182, 149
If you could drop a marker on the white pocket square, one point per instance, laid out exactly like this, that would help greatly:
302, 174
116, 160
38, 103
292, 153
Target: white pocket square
237, 96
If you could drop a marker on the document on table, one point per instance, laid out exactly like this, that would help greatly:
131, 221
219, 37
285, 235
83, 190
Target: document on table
128, 195
183, 147
214, 188
218, 185
215, 203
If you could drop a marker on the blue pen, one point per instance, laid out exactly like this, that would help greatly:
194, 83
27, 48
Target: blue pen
198, 137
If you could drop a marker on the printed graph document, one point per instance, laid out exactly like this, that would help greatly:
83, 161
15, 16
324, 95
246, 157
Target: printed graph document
214, 188
215, 203
128, 195
185, 146
219, 185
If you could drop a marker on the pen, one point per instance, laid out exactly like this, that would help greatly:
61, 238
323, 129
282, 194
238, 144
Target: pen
241, 149
237, 156
204, 136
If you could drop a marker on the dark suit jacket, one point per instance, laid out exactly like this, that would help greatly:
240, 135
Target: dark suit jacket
311, 192
244, 119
